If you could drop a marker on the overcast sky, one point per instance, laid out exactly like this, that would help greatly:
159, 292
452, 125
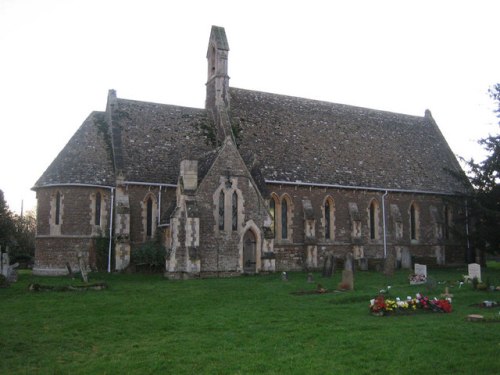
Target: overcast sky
59, 58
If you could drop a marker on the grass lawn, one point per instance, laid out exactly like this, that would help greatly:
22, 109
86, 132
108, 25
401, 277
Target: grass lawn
145, 324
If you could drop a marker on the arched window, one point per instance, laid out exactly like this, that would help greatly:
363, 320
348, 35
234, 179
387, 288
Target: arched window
221, 210
328, 210
284, 219
234, 203
446, 222
413, 222
373, 220
57, 220
97, 217
272, 211
149, 217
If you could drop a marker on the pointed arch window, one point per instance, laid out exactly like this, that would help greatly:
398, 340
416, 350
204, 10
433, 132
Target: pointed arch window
149, 217
284, 219
221, 210
414, 222
328, 210
446, 222
373, 220
234, 203
97, 217
57, 220
272, 211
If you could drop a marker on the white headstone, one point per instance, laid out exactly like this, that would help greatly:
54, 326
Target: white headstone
420, 269
475, 271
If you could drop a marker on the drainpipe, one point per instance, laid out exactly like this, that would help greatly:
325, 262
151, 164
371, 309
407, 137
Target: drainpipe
112, 191
469, 252
159, 206
383, 223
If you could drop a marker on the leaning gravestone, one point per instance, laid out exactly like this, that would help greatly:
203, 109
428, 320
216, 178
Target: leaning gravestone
474, 271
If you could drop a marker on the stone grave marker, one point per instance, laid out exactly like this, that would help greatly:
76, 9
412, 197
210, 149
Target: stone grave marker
328, 266
474, 271
284, 276
347, 282
420, 274
389, 264
421, 269
348, 265
363, 264
405, 258
83, 269
310, 278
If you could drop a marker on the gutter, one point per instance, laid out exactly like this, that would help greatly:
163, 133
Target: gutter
337, 186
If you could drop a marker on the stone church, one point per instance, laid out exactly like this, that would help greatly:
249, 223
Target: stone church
254, 182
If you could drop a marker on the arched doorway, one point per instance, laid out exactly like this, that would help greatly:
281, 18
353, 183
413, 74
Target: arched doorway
249, 247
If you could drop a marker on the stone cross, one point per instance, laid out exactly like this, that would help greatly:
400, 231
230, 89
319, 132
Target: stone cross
446, 293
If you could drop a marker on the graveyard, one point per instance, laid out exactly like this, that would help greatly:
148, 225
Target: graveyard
296, 323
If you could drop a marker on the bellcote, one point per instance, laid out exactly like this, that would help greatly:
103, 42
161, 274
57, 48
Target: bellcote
217, 77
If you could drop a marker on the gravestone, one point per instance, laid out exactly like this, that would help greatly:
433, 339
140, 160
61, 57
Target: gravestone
474, 271
420, 274
284, 276
347, 282
363, 264
328, 266
83, 270
421, 269
348, 265
310, 278
405, 258
389, 264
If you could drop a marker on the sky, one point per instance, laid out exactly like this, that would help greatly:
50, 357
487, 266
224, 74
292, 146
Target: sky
59, 58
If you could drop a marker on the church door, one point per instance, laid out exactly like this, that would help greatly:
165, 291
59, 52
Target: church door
249, 245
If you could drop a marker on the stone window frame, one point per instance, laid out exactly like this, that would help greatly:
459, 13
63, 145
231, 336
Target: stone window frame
278, 217
56, 212
448, 221
414, 218
98, 228
152, 215
374, 219
228, 188
330, 222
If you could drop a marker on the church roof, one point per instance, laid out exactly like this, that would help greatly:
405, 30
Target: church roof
86, 158
309, 141
281, 138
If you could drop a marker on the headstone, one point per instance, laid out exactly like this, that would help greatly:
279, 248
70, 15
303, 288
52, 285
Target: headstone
347, 282
328, 266
421, 269
420, 274
389, 264
363, 264
310, 278
474, 271
348, 265
284, 276
83, 270
405, 258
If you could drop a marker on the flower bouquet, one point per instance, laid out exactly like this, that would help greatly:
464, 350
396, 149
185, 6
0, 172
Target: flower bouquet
381, 306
